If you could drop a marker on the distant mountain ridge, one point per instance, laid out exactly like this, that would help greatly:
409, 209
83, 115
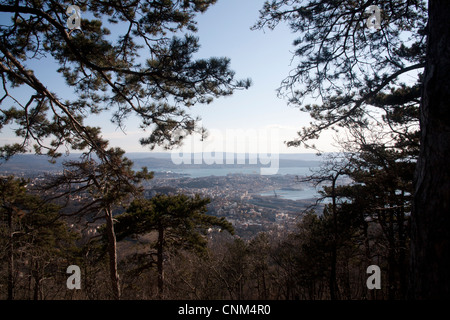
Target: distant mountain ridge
153, 161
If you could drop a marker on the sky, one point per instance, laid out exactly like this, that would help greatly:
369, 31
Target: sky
249, 120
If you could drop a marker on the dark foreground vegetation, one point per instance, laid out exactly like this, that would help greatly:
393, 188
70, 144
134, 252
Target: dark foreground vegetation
168, 247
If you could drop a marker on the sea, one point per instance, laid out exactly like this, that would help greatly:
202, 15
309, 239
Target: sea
305, 193
207, 172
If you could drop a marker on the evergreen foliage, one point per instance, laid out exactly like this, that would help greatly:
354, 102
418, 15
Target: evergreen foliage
145, 69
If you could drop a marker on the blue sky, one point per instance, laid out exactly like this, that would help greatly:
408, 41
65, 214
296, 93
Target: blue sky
263, 56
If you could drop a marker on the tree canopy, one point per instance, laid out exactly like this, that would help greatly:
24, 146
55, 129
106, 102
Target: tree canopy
145, 68
343, 64
180, 222
183, 219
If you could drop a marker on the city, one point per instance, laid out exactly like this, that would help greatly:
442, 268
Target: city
249, 201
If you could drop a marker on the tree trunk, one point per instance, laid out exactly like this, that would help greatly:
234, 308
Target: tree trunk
37, 281
334, 290
112, 252
402, 245
392, 262
160, 262
367, 251
264, 296
10, 257
430, 229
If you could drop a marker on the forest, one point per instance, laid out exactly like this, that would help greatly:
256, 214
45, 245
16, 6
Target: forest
168, 247
395, 148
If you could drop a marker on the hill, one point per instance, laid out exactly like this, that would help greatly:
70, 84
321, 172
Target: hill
30, 163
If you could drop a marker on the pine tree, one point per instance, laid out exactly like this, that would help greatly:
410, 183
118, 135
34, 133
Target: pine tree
38, 242
109, 184
341, 61
430, 259
145, 70
179, 221
347, 65
381, 194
